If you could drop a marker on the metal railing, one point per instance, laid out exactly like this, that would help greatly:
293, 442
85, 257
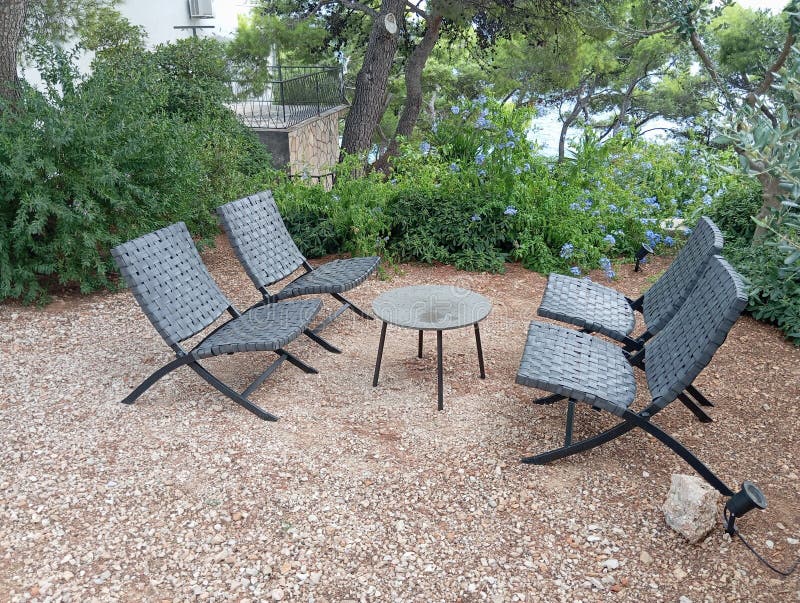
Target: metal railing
281, 97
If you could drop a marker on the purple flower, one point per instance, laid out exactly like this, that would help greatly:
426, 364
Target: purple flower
566, 250
475, 218
425, 147
575, 271
669, 241
653, 238
609, 238
454, 168
510, 211
481, 122
455, 109
480, 158
610, 274
605, 263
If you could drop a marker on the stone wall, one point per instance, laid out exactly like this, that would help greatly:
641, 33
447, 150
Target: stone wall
314, 145
309, 149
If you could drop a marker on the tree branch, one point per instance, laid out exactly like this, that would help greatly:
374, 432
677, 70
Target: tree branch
363, 8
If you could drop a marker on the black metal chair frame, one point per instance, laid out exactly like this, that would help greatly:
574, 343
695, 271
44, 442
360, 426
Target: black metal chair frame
265, 248
166, 276
663, 300
677, 355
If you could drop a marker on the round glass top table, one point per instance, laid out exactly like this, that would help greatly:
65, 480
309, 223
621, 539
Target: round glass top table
431, 308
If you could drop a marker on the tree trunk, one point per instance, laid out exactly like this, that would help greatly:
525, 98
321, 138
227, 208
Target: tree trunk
580, 102
12, 19
413, 105
372, 81
770, 195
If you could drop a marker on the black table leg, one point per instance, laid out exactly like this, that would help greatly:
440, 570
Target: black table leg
480, 350
419, 349
440, 380
380, 355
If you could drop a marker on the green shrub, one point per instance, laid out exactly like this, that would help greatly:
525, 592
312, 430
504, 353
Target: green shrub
105, 160
773, 285
733, 212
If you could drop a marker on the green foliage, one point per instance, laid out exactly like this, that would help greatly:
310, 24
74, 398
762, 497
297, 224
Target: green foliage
733, 212
774, 284
476, 194
196, 77
769, 150
349, 218
97, 162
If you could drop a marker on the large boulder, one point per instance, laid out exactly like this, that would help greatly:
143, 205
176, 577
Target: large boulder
691, 507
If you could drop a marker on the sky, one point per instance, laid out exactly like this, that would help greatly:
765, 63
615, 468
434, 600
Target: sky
775, 6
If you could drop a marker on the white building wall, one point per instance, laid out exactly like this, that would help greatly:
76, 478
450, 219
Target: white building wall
160, 18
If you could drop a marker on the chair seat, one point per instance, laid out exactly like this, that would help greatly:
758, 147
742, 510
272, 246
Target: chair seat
588, 305
578, 366
261, 329
336, 276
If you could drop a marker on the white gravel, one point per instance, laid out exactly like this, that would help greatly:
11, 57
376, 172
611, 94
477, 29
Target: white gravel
362, 493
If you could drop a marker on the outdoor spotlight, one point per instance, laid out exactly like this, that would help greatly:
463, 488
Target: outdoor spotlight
748, 498
644, 250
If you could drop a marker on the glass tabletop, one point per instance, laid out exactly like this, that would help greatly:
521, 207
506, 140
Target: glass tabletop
431, 307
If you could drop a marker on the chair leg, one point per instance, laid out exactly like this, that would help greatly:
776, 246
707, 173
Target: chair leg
306, 368
262, 377
580, 446
233, 395
147, 383
325, 344
551, 399
352, 306
330, 318
570, 420
642, 421
696, 410
587, 444
698, 396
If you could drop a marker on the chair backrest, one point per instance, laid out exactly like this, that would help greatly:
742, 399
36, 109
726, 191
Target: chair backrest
668, 293
260, 239
170, 282
686, 345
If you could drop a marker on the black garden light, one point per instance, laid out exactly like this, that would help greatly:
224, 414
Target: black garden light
748, 498
644, 251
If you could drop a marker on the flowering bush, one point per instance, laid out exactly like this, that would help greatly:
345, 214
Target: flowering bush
475, 192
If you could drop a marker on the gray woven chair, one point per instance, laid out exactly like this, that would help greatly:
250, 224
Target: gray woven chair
582, 367
266, 250
178, 295
599, 309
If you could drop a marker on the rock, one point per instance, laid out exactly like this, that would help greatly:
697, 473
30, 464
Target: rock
645, 558
610, 564
691, 507
684, 599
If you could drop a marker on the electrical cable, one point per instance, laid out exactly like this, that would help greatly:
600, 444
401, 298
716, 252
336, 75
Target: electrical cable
787, 572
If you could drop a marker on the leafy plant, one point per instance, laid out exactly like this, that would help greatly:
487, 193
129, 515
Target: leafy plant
94, 162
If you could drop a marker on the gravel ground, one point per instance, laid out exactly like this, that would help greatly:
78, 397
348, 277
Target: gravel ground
362, 493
